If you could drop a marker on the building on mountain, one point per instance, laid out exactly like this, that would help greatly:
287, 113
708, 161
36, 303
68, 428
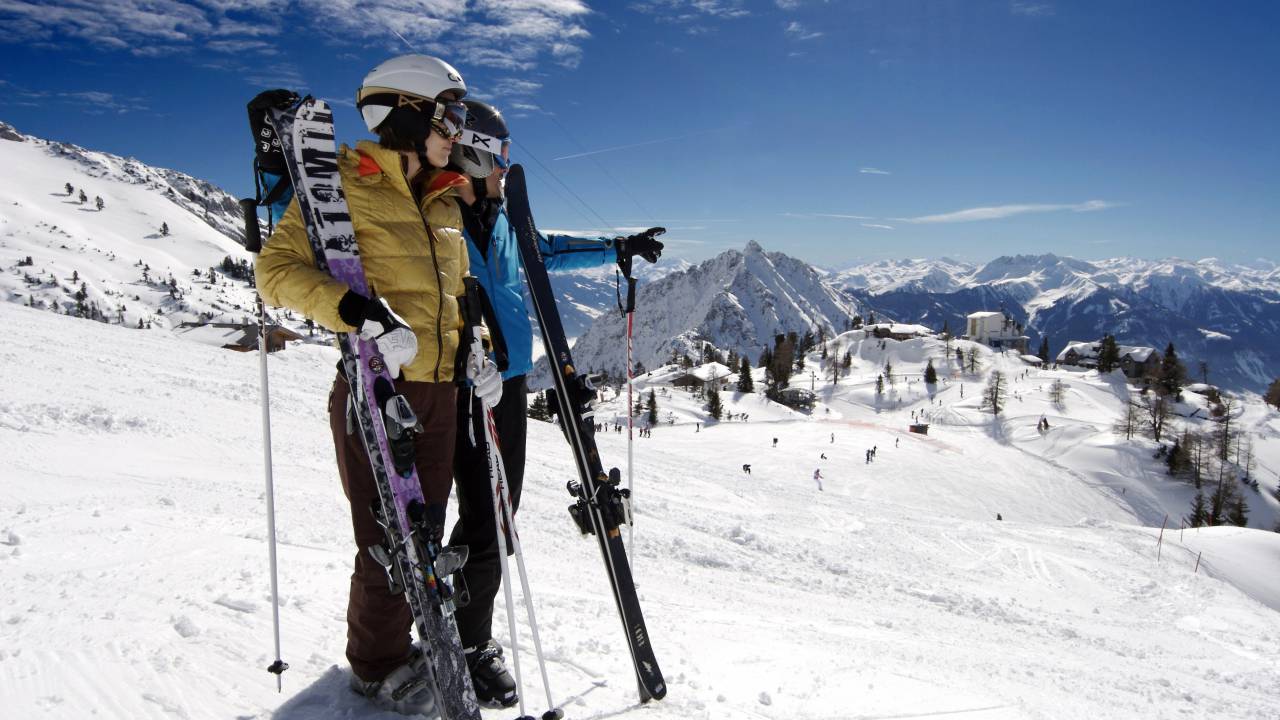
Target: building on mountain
997, 330
242, 337
797, 397
706, 376
1137, 361
896, 331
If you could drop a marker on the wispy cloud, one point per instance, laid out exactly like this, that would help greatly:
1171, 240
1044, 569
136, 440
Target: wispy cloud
1029, 8
999, 212
797, 31
877, 226
90, 102
873, 171
837, 216
693, 16
511, 34
787, 4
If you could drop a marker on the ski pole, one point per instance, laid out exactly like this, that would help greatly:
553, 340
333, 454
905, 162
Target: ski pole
504, 516
630, 311
253, 243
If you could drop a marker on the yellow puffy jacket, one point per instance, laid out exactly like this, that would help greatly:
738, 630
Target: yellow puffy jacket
416, 268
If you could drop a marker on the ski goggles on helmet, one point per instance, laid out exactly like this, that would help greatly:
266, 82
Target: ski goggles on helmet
498, 148
447, 117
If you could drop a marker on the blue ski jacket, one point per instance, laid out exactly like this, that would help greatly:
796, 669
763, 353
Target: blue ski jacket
498, 271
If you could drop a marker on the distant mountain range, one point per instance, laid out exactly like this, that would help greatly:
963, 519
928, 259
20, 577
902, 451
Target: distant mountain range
1225, 315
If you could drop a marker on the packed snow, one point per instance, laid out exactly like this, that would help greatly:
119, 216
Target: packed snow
133, 562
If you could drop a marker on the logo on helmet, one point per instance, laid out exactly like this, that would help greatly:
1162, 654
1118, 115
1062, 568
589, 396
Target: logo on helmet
375, 364
413, 102
455, 77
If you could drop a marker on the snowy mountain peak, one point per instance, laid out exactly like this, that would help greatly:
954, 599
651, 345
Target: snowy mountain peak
737, 300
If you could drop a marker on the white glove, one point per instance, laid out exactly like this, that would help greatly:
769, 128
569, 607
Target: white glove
393, 336
484, 376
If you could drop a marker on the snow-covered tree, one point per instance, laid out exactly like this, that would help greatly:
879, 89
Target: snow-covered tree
930, 375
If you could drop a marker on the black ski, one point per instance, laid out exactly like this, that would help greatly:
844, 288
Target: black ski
415, 563
600, 506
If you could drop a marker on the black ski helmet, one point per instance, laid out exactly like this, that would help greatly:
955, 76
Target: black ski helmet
485, 140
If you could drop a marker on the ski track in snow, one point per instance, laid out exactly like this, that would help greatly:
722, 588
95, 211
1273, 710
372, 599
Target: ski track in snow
133, 573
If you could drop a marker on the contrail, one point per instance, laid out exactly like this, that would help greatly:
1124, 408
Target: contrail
639, 144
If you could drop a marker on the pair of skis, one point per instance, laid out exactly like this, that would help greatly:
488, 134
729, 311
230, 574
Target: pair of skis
600, 505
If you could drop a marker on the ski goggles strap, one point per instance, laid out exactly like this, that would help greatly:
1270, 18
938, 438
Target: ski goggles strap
499, 148
451, 117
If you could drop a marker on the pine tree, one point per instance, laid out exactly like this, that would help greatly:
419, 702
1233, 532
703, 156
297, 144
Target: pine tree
1173, 374
69, 189
83, 198
847, 362
888, 372
1108, 354
930, 375
164, 229
1199, 516
1044, 350
714, 408
745, 383
538, 409
653, 409
1238, 515
879, 385
973, 360
1272, 397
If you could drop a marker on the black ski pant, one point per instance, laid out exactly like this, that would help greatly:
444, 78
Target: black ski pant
475, 527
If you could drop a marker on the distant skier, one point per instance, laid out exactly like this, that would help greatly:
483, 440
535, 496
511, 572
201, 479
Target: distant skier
746, 468
775, 442
817, 477
833, 437
896, 441
823, 456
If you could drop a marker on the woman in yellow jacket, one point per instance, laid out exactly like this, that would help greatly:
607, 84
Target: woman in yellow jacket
408, 230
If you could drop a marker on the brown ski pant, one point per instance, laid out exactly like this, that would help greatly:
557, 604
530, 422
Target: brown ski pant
378, 622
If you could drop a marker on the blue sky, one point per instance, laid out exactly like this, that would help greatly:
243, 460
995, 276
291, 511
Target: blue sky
834, 131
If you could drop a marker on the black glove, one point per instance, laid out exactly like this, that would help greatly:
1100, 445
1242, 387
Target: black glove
266, 144
643, 244
375, 321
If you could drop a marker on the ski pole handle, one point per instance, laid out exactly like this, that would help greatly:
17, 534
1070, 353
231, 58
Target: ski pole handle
252, 233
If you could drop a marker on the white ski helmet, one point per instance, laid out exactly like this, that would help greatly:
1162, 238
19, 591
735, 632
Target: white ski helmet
420, 76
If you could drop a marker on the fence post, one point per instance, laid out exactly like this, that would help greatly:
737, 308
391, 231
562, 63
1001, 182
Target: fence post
1160, 540
1197, 570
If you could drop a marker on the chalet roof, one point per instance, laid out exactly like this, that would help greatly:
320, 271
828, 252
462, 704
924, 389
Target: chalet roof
223, 334
711, 371
219, 335
1137, 353
900, 328
1031, 359
1086, 349
984, 314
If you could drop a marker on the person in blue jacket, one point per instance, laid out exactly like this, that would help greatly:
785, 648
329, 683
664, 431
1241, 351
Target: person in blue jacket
484, 154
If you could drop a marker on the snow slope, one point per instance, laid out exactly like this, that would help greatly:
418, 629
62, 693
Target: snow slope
133, 569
